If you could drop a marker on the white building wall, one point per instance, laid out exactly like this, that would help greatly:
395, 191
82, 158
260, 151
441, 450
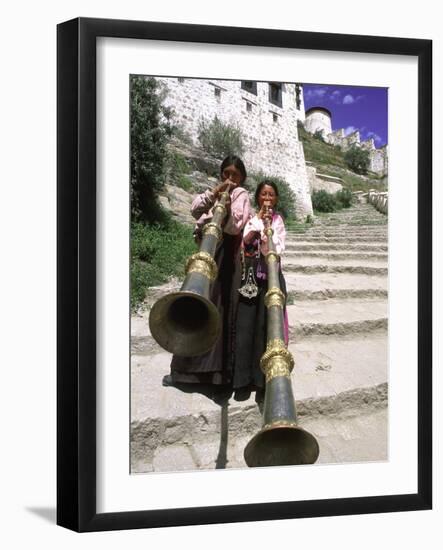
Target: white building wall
270, 132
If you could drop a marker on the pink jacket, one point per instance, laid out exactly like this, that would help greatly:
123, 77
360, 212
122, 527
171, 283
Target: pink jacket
279, 236
201, 210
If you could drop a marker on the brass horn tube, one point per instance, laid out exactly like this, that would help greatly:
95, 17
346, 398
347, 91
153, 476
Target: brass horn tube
281, 441
187, 323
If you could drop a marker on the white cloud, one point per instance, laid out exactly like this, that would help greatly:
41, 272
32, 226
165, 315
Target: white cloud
377, 139
349, 99
350, 130
317, 93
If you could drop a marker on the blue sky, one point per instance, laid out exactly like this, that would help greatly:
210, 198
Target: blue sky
353, 108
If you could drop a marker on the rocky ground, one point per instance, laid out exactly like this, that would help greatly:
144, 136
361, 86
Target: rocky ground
336, 273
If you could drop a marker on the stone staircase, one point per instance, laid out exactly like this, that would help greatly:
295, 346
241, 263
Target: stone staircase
336, 274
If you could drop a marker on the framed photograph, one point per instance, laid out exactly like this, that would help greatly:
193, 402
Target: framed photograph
244, 274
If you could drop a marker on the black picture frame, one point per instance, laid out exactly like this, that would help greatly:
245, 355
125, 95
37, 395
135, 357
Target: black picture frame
76, 274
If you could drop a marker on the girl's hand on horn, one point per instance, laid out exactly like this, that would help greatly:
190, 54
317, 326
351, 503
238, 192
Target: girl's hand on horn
226, 185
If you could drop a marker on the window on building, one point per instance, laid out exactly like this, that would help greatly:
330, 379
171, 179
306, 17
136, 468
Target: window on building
274, 117
275, 94
217, 93
250, 86
298, 96
181, 80
248, 107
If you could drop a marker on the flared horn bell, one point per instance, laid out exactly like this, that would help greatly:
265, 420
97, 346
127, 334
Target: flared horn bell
281, 441
281, 446
185, 323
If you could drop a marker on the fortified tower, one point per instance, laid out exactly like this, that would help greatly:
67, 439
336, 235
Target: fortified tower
318, 119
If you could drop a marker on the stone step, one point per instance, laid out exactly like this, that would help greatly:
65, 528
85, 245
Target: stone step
337, 230
334, 240
333, 316
326, 282
332, 255
350, 213
331, 377
337, 293
350, 220
297, 235
337, 317
353, 436
353, 210
331, 231
362, 247
291, 259
342, 438
326, 367
335, 268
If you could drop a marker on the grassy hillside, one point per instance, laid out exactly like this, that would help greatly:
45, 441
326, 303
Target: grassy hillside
329, 160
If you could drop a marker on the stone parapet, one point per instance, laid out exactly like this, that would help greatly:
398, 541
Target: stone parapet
379, 200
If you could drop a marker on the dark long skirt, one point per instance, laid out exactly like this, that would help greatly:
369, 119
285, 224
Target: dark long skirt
251, 337
216, 366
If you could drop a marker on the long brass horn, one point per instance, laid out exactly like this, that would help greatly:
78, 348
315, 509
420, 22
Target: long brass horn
186, 322
280, 442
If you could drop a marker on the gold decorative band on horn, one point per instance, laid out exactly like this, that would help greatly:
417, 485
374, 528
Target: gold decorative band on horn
221, 208
203, 263
274, 297
269, 231
213, 229
278, 367
280, 424
272, 256
277, 360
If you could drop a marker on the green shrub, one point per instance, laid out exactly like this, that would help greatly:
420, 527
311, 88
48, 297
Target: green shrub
157, 253
357, 159
220, 139
184, 183
177, 167
344, 198
322, 201
318, 134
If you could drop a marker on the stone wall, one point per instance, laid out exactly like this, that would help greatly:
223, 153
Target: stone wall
378, 158
270, 131
337, 137
350, 140
319, 182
